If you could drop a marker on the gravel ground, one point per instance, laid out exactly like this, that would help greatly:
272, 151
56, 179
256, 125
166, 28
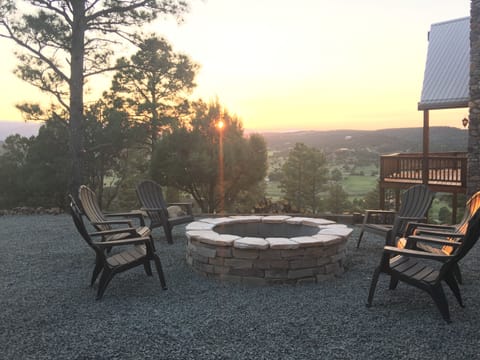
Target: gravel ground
48, 311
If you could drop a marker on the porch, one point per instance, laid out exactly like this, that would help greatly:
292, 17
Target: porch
443, 172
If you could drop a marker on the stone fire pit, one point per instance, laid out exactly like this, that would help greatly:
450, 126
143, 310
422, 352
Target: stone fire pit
267, 249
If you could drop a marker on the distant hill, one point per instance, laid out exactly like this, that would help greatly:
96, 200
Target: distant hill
442, 138
385, 141
26, 129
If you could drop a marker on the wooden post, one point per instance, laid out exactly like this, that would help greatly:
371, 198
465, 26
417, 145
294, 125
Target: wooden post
454, 208
426, 150
382, 198
397, 199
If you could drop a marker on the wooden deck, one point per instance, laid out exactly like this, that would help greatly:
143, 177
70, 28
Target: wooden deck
446, 172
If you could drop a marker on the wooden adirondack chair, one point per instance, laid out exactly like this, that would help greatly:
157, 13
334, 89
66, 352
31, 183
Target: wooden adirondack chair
443, 232
415, 267
389, 224
105, 222
136, 250
150, 195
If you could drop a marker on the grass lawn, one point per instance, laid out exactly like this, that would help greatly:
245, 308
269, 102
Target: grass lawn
358, 186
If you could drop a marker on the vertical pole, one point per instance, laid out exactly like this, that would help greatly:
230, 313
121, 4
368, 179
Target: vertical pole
220, 173
454, 208
382, 198
426, 143
397, 199
473, 157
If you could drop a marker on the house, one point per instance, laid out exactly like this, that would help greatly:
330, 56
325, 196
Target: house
445, 86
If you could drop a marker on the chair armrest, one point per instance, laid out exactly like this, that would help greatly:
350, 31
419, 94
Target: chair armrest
380, 211
434, 240
135, 214
416, 253
113, 222
151, 209
129, 241
437, 233
187, 205
413, 218
130, 230
414, 226
370, 213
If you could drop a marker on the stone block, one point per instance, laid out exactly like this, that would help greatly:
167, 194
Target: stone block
270, 254
218, 269
317, 222
270, 264
238, 263
315, 251
225, 252
303, 263
293, 253
216, 261
246, 218
205, 251
206, 268
324, 277
332, 268
282, 243
323, 261
275, 219
300, 273
198, 225
337, 257
330, 251
307, 280
199, 258
245, 253
276, 273
250, 243
246, 272
307, 241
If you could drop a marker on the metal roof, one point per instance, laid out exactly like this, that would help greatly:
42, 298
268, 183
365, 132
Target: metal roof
447, 71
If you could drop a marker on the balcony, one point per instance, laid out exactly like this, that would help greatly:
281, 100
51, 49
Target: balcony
445, 172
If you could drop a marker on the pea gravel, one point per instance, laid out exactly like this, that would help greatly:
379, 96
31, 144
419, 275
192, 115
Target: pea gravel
48, 310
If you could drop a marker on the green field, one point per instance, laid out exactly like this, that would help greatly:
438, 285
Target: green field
358, 186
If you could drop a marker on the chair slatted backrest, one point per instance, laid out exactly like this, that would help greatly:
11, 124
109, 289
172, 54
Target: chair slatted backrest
416, 202
151, 197
91, 208
79, 223
473, 204
470, 238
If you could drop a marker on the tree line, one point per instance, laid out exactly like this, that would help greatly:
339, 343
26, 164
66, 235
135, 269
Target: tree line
144, 126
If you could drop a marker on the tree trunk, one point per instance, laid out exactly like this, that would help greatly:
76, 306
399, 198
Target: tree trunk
77, 129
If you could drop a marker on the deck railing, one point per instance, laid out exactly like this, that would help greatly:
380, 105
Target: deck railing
443, 169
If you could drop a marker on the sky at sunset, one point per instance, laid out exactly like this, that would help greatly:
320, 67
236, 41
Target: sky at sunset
303, 65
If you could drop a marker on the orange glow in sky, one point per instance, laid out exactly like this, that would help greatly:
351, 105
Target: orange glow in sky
303, 65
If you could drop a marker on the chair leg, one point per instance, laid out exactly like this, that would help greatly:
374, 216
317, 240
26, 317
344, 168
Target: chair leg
104, 281
390, 238
452, 284
393, 283
360, 238
373, 285
440, 300
161, 275
457, 273
96, 271
168, 233
147, 267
